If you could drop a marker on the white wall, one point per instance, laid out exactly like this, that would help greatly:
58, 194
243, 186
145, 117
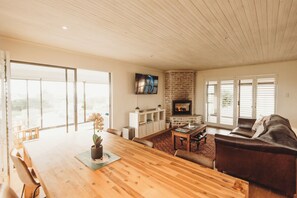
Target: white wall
286, 72
123, 97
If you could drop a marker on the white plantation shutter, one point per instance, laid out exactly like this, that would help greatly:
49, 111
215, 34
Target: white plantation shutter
265, 96
246, 98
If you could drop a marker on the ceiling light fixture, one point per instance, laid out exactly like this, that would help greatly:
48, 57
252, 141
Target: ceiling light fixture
64, 27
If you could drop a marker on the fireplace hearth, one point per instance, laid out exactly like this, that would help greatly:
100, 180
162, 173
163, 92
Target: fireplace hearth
182, 107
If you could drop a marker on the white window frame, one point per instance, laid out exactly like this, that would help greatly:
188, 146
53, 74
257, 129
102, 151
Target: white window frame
236, 97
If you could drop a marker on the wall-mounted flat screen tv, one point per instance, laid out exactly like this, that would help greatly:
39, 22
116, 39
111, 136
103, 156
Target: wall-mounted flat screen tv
146, 84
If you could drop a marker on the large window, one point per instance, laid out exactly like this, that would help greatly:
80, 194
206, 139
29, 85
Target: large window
53, 103
44, 96
19, 102
255, 98
34, 103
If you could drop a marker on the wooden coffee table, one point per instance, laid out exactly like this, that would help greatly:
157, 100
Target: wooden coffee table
186, 132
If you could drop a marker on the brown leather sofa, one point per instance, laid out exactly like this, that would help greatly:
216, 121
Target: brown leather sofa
258, 160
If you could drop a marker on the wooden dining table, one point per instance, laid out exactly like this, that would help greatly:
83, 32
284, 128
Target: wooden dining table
140, 172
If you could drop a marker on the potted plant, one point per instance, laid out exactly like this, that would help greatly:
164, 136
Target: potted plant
137, 109
97, 148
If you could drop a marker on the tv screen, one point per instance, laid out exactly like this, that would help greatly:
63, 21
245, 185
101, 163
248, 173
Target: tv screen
146, 84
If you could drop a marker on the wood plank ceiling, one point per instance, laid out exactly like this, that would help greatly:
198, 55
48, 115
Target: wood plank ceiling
165, 34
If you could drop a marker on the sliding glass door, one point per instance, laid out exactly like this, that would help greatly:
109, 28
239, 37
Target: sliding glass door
53, 103
212, 98
19, 102
220, 102
45, 96
93, 88
34, 103
226, 102
70, 97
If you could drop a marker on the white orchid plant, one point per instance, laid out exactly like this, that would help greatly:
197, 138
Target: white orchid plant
98, 126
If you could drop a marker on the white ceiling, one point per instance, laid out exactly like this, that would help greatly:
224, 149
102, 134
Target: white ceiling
164, 34
35, 72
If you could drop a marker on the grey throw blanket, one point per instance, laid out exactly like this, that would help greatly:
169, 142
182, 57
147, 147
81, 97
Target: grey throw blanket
278, 131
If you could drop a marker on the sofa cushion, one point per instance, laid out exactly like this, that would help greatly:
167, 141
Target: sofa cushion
243, 132
259, 131
257, 124
246, 123
260, 121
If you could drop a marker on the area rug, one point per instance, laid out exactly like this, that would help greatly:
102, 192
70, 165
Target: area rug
163, 142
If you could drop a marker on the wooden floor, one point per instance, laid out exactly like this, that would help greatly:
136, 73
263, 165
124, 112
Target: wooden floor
255, 191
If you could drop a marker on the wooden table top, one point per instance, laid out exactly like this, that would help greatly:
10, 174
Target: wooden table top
141, 171
192, 130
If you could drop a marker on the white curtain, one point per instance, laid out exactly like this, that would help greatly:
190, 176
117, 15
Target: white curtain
5, 118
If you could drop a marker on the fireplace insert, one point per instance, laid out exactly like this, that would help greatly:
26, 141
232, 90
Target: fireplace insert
182, 107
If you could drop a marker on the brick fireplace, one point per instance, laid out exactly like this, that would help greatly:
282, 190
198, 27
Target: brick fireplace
179, 85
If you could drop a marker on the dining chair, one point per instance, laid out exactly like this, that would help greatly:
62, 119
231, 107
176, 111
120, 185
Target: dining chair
144, 142
24, 173
7, 192
114, 131
196, 158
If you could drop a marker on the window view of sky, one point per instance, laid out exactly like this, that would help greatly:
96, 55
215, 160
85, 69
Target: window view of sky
40, 98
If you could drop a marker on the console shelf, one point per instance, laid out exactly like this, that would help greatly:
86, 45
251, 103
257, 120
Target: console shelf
147, 122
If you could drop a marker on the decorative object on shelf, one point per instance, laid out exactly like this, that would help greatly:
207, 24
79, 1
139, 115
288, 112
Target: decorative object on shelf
137, 110
159, 107
167, 124
191, 122
97, 148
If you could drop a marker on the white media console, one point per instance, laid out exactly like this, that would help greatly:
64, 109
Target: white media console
147, 122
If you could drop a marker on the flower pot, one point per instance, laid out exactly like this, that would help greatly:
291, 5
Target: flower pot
96, 153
